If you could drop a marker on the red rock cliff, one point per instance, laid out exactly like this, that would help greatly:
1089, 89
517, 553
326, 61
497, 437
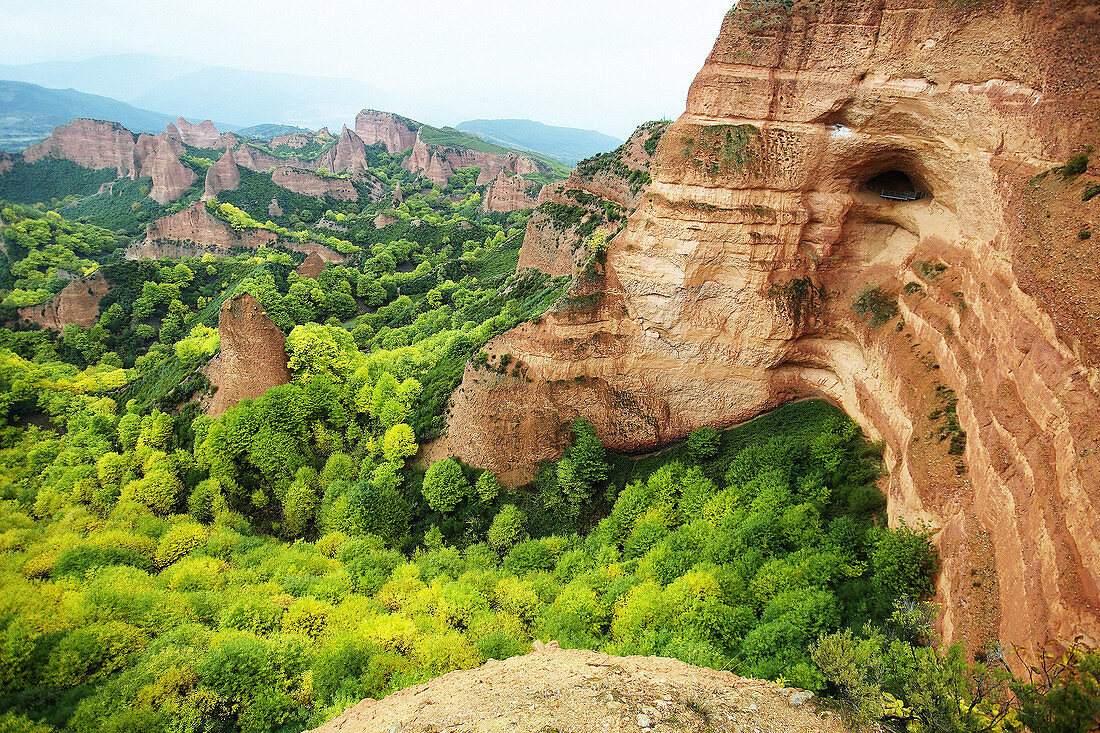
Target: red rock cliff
252, 358
396, 133
733, 286
222, 176
77, 303
89, 143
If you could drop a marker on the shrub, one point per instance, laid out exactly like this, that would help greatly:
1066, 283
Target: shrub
445, 485
507, 528
703, 443
306, 616
76, 561
179, 541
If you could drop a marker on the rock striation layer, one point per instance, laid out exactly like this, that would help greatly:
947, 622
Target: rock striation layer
252, 358
509, 192
310, 184
736, 283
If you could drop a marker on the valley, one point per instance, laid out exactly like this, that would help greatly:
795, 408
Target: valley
795, 389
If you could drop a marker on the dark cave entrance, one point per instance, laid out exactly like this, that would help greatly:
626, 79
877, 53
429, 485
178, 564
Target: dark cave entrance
895, 185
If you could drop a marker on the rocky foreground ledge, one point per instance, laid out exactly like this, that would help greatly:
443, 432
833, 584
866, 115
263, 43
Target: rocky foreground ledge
575, 690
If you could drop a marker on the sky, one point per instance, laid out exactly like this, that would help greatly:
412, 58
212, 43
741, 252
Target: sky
598, 64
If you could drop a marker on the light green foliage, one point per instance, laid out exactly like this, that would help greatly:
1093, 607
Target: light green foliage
507, 528
199, 345
487, 487
399, 443
445, 486
315, 349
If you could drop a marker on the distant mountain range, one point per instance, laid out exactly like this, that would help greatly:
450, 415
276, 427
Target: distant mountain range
236, 96
123, 88
568, 144
29, 113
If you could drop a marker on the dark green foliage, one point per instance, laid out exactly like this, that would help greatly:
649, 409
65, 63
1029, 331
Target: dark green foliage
77, 561
877, 306
1075, 166
703, 443
1091, 192
1062, 693
51, 181
947, 415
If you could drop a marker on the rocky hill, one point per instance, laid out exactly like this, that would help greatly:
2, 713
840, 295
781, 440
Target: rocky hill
879, 202
252, 357
552, 689
598, 195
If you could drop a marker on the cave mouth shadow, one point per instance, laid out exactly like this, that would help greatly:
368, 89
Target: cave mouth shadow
894, 185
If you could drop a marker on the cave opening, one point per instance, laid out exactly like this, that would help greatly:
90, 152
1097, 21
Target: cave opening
894, 185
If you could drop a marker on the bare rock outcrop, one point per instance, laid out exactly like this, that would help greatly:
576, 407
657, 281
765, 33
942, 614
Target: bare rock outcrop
309, 183
312, 266
202, 135
348, 155
194, 232
254, 159
98, 145
396, 133
764, 263
291, 140
553, 689
509, 192
6, 163
77, 303
222, 176
170, 177
90, 144
252, 358
438, 163
274, 209
599, 193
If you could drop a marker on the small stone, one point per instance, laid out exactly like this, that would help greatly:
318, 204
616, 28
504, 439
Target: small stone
644, 721
798, 699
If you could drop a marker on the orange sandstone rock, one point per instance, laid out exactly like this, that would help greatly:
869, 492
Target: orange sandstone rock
732, 288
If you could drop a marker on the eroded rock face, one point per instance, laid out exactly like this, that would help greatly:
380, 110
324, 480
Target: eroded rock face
97, 145
90, 144
396, 133
170, 177
255, 159
606, 187
508, 192
732, 287
202, 135
312, 266
438, 163
252, 358
6, 163
348, 155
77, 303
222, 176
311, 184
192, 233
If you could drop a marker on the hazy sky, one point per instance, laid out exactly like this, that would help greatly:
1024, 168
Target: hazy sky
602, 64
